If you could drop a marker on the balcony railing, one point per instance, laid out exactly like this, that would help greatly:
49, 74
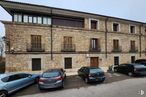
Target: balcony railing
133, 50
118, 49
35, 47
68, 47
97, 49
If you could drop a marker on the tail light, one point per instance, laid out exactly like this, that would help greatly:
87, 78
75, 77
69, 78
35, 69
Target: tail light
89, 75
41, 80
58, 78
135, 70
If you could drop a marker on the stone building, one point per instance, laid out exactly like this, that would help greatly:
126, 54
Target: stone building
41, 37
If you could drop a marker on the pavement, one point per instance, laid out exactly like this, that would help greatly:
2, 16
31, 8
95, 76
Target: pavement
71, 82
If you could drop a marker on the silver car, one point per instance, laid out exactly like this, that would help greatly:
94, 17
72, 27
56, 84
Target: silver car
53, 78
10, 83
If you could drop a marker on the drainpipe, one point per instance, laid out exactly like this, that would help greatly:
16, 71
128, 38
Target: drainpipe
106, 31
51, 36
140, 40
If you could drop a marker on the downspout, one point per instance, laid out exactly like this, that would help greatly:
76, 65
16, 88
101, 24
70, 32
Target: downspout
51, 36
140, 40
106, 31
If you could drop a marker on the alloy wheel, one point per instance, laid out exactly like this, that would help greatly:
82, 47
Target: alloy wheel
3, 94
130, 74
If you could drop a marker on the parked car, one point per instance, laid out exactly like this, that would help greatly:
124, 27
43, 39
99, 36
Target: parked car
131, 69
10, 83
53, 78
91, 74
141, 61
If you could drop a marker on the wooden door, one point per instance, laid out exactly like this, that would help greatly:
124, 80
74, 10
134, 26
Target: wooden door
94, 62
36, 64
68, 63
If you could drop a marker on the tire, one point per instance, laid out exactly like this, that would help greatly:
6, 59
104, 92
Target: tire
86, 80
130, 74
3, 94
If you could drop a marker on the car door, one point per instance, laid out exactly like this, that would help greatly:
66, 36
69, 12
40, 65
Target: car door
13, 83
26, 79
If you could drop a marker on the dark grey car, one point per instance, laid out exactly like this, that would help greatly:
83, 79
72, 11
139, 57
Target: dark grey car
53, 78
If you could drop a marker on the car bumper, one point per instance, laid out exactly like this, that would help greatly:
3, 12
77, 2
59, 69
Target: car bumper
97, 79
49, 86
140, 73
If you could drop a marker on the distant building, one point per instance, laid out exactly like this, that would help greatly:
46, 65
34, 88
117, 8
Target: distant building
40, 37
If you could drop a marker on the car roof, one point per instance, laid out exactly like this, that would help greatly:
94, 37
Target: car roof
9, 74
52, 70
92, 67
131, 64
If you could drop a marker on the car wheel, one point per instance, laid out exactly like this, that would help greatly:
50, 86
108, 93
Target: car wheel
130, 74
86, 80
3, 94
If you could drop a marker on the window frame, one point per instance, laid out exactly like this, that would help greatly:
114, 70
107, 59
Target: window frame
97, 24
134, 29
119, 28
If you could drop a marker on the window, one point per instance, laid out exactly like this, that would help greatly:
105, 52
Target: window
36, 64
94, 24
30, 19
132, 29
132, 59
25, 18
68, 63
116, 60
115, 27
34, 19
17, 17
94, 44
46, 20
39, 20
68, 21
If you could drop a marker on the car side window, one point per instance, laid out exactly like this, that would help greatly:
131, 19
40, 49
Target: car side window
5, 79
24, 75
13, 78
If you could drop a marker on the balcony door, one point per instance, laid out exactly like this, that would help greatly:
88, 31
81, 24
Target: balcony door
132, 45
94, 44
36, 42
94, 62
115, 44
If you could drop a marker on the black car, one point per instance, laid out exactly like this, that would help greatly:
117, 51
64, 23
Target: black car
91, 74
131, 69
141, 61
52, 78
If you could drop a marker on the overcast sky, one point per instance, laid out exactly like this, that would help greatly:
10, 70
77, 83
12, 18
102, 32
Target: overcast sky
127, 9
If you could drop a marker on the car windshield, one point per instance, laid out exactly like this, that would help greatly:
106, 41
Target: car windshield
95, 70
139, 66
50, 74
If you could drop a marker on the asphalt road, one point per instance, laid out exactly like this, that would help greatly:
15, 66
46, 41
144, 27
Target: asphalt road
124, 88
71, 82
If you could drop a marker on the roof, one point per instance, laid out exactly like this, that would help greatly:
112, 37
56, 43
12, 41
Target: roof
11, 6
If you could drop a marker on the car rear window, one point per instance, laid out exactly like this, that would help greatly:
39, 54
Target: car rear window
50, 74
95, 70
139, 66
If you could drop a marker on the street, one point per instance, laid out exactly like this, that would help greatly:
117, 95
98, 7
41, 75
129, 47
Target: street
72, 83
125, 88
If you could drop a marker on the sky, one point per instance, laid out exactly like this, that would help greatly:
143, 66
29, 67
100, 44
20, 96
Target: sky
126, 9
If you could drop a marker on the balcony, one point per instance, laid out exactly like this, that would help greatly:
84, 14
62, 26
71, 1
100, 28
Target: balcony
133, 50
68, 47
98, 49
117, 50
35, 47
